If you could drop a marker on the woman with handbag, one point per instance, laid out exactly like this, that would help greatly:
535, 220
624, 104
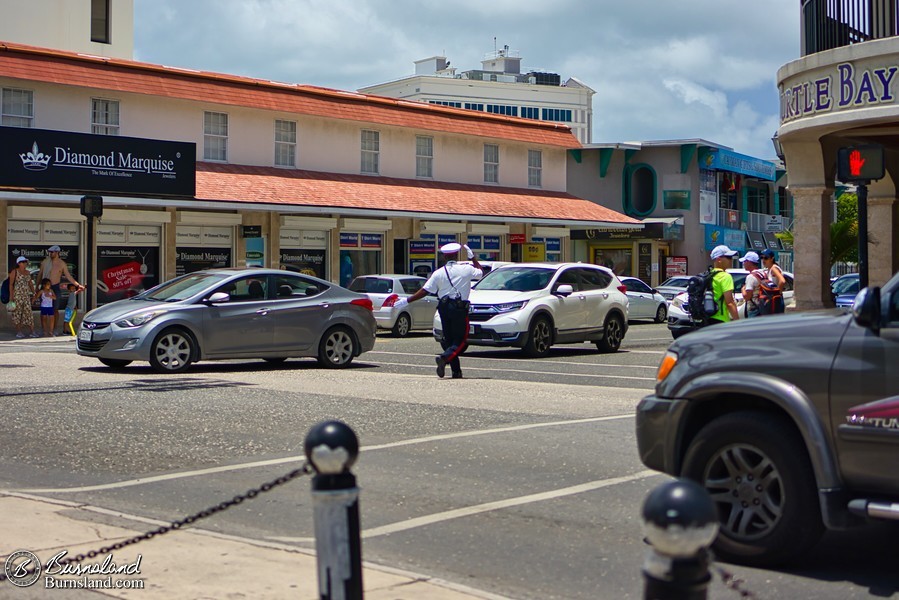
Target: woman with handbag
22, 291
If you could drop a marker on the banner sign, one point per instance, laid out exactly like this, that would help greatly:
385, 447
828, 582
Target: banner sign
725, 160
371, 240
189, 260
349, 240
124, 271
307, 262
735, 239
491, 242
106, 164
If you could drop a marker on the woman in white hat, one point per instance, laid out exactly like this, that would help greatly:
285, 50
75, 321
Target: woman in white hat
21, 292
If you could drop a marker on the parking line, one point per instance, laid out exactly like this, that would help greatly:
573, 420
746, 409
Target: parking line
290, 459
469, 511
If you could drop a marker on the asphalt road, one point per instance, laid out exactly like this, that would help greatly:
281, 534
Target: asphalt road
521, 479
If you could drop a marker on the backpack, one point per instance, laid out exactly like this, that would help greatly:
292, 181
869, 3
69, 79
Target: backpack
771, 299
4, 291
701, 301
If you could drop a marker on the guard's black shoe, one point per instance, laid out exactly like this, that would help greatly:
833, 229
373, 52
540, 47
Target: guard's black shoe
441, 366
457, 375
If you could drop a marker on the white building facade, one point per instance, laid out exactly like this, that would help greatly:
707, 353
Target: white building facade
499, 87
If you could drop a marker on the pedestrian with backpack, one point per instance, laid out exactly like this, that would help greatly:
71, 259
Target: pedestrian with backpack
771, 300
723, 285
751, 286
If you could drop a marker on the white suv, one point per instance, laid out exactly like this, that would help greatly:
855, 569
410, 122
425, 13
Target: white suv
535, 305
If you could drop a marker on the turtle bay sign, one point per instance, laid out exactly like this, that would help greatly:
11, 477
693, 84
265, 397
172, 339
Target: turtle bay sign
108, 164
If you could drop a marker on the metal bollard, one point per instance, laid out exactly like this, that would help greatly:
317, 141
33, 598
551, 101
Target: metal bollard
680, 523
332, 448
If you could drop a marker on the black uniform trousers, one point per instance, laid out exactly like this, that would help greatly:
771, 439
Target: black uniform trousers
454, 319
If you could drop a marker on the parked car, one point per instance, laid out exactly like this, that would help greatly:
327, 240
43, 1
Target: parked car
533, 306
792, 429
844, 289
673, 286
385, 290
644, 302
679, 321
231, 313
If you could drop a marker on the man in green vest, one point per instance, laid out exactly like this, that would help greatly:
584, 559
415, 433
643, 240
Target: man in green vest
723, 285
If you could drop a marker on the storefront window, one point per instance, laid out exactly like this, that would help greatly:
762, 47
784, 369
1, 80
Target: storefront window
201, 248
617, 259
31, 240
360, 254
485, 247
304, 251
553, 248
127, 260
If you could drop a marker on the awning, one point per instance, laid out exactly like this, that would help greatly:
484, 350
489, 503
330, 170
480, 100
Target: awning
299, 191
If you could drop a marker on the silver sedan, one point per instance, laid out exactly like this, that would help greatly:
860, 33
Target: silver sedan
231, 314
645, 302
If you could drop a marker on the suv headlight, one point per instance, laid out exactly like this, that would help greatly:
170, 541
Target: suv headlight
668, 362
138, 320
510, 306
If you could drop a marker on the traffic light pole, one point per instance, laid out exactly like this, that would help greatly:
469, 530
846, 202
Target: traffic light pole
863, 235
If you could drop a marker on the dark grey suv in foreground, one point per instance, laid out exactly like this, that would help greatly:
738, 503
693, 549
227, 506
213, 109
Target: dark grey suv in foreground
791, 423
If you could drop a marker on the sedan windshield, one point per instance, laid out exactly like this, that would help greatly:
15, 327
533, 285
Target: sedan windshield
182, 287
676, 282
517, 279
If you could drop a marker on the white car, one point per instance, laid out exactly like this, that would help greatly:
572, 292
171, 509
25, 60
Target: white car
385, 290
679, 321
533, 306
645, 302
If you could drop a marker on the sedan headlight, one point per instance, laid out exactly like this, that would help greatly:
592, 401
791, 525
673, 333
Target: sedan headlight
138, 320
679, 301
510, 306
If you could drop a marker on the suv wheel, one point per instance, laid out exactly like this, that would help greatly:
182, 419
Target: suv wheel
540, 337
613, 334
760, 479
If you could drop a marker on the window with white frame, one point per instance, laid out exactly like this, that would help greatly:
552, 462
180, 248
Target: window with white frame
215, 136
104, 116
491, 163
285, 143
371, 144
424, 156
16, 107
535, 168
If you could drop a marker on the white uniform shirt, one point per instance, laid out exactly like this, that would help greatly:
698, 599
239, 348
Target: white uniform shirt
461, 276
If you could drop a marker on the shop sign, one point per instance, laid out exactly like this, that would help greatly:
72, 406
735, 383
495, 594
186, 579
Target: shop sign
217, 236
251, 231
110, 234
552, 244
474, 242
444, 239
675, 266
735, 239
672, 231
849, 85
23, 231
349, 240
307, 262
105, 164
491, 242
188, 235
648, 231
371, 240
189, 260
774, 223
421, 249
644, 262
725, 160
144, 234
313, 239
534, 252
517, 238
61, 232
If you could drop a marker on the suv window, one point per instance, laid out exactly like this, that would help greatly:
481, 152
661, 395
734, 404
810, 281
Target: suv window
410, 286
569, 277
594, 279
372, 285
294, 287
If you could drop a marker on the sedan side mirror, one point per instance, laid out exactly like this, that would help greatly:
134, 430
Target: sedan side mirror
564, 290
218, 297
866, 308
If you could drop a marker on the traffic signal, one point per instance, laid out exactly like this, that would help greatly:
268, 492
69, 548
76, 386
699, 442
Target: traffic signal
858, 164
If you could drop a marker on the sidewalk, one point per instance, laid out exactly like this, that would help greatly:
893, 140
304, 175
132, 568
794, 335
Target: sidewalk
189, 563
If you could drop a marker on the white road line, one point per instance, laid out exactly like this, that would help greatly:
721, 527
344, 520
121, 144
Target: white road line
486, 507
470, 368
290, 459
531, 362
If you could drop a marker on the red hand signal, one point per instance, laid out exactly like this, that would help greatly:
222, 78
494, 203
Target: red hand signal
856, 162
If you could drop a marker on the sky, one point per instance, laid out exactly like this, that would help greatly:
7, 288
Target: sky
661, 69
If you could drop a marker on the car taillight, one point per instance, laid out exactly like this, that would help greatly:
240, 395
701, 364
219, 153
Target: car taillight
363, 302
622, 289
390, 301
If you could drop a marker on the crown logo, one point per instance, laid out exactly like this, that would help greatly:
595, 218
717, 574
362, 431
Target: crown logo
35, 160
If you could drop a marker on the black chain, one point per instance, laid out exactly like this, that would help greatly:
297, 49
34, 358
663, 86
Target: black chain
734, 583
175, 525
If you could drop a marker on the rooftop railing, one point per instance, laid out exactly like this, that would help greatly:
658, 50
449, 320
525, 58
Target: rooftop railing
828, 24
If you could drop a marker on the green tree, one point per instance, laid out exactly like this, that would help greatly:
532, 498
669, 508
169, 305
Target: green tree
843, 232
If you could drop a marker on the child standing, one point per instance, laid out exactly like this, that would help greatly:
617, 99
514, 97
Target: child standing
48, 312
68, 326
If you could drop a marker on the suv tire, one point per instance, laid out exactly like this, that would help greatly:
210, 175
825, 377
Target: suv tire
540, 338
761, 481
613, 334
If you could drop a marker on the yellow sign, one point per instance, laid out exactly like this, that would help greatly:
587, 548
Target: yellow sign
534, 252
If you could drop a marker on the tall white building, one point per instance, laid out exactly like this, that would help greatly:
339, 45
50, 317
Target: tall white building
498, 87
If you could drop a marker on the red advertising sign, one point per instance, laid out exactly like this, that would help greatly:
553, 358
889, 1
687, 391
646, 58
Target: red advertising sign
122, 277
518, 238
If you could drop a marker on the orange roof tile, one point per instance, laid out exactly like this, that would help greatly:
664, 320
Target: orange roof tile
236, 183
31, 63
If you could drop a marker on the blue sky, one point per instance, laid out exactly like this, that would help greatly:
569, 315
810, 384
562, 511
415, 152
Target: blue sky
661, 69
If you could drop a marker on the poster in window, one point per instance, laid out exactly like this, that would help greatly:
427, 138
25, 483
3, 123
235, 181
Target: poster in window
189, 260
125, 271
644, 262
307, 262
